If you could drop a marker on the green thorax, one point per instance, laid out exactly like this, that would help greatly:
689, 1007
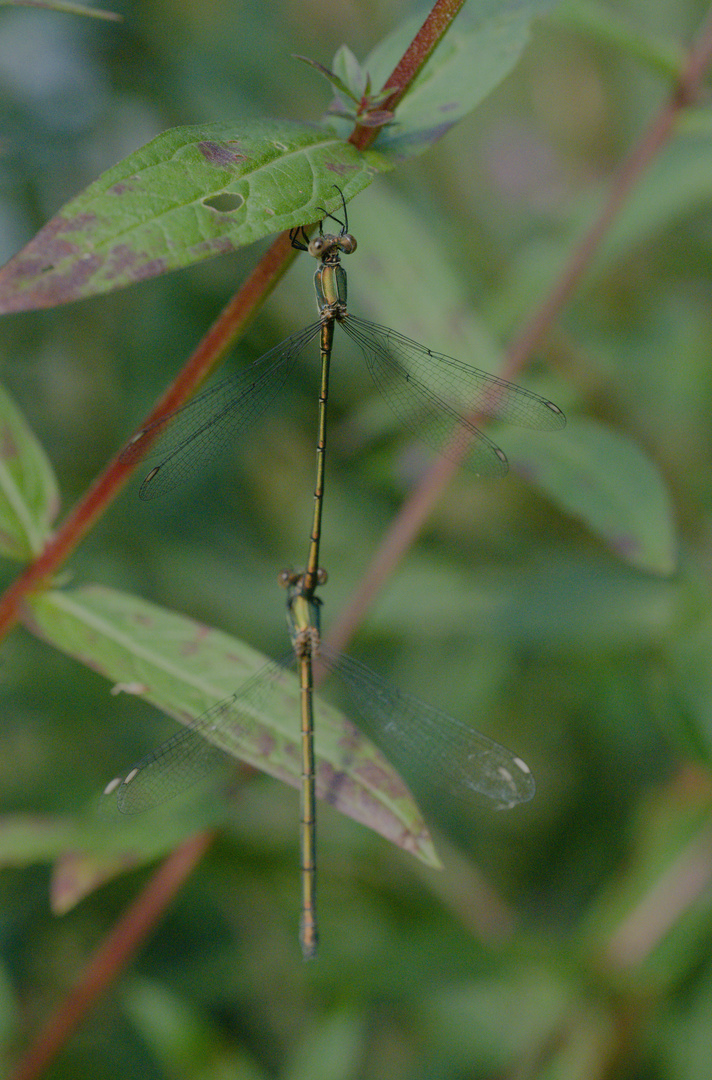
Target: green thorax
303, 615
330, 286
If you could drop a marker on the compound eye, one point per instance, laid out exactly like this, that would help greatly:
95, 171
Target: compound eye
347, 243
316, 246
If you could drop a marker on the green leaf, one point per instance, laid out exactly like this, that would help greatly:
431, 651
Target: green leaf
65, 7
184, 668
328, 75
677, 184
29, 497
348, 70
434, 307
89, 850
106, 843
577, 605
26, 839
479, 50
607, 481
190, 194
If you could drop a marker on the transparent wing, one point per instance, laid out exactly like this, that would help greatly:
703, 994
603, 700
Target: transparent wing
232, 727
192, 437
435, 753
429, 393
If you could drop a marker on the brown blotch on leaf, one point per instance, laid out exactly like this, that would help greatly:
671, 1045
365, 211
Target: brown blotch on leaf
220, 154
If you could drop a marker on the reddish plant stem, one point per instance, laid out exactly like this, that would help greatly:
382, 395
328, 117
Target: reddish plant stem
415, 511
113, 954
413, 60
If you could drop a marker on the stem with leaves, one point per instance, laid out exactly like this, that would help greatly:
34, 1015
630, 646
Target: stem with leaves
229, 326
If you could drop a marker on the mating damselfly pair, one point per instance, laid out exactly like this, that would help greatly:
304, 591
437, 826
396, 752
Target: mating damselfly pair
434, 396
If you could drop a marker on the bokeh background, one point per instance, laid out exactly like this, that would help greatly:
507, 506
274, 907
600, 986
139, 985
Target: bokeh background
570, 938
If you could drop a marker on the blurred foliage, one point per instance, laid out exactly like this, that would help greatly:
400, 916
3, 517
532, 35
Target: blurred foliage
570, 938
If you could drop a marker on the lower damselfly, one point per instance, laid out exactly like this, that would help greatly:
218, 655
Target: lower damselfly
433, 395
439, 757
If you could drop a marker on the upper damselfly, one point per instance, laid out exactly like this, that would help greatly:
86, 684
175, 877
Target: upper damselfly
433, 395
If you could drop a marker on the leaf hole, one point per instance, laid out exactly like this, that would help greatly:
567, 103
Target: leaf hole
225, 202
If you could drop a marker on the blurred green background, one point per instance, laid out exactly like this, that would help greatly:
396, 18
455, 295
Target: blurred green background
570, 938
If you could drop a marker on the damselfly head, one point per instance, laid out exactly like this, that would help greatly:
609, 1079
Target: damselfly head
290, 579
328, 246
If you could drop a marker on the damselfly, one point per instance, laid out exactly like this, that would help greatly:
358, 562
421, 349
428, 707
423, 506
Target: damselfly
431, 394
418, 740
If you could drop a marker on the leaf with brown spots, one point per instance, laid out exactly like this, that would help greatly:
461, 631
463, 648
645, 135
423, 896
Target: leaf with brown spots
185, 668
190, 194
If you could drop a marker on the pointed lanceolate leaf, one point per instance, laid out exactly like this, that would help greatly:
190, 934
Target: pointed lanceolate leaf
184, 668
29, 497
332, 78
603, 478
190, 194
348, 70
